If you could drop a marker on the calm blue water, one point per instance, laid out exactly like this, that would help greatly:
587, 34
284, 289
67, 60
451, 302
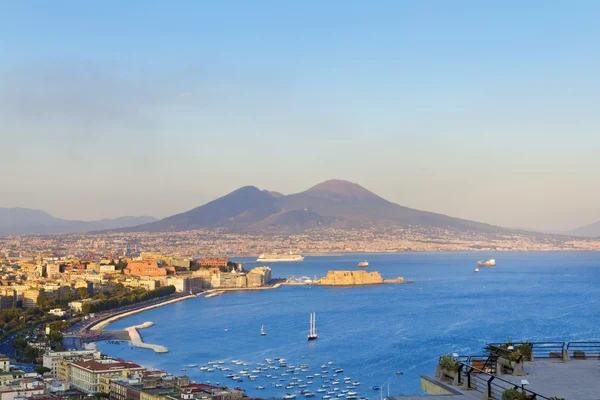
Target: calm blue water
374, 331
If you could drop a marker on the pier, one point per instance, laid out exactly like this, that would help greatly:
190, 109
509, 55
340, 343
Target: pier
136, 338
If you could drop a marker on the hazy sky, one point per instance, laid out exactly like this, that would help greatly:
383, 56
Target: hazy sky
482, 110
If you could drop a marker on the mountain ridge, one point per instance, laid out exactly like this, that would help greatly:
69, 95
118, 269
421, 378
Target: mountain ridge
591, 230
28, 221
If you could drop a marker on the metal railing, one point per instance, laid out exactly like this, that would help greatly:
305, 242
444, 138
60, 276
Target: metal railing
476, 379
583, 350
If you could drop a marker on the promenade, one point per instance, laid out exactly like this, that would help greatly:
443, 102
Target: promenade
104, 323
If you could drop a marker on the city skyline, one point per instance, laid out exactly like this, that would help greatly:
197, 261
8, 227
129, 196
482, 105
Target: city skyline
477, 111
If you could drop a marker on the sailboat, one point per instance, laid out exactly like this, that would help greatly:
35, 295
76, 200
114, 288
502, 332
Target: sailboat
262, 331
312, 330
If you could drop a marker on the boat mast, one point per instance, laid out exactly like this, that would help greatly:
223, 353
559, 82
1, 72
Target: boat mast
310, 325
314, 323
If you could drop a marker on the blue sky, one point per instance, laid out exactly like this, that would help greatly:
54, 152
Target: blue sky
480, 110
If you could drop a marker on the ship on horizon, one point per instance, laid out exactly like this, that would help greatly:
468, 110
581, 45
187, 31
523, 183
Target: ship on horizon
279, 258
489, 263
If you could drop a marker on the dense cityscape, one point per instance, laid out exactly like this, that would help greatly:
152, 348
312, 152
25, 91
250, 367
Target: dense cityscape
315, 241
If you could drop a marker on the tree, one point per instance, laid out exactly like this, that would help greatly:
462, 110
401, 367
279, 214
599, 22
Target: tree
41, 370
82, 293
19, 343
43, 301
30, 353
55, 337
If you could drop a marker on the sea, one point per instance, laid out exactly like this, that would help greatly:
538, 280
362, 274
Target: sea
382, 336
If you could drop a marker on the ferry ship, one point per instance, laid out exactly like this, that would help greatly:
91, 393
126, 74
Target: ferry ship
279, 258
489, 263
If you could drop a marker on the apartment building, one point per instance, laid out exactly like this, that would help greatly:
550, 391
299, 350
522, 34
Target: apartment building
93, 376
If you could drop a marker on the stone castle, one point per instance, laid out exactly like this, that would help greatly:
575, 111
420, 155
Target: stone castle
349, 278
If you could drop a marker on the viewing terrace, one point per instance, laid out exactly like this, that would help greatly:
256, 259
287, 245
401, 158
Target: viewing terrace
540, 370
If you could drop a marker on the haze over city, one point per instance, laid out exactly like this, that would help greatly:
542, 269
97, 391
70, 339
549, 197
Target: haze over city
475, 110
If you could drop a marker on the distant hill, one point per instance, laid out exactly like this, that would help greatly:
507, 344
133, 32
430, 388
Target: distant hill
592, 230
26, 221
334, 203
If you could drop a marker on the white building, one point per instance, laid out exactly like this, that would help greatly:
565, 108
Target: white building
51, 358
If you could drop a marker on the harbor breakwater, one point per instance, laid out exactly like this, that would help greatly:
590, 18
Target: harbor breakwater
136, 338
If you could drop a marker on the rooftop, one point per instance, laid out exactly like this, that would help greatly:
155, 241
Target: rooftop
562, 370
105, 365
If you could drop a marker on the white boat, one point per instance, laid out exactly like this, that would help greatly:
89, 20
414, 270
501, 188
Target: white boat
363, 264
279, 258
312, 331
476, 270
489, 263
289, 396
262, 331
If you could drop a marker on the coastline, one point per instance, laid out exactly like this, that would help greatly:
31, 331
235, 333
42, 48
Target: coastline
100, 325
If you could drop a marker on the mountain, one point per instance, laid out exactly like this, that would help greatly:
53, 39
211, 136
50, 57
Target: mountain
333, 203
25, 221
592, 230
236, 211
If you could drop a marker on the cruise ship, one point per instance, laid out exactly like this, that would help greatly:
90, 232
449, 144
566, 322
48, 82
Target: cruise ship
279, 258
489, 263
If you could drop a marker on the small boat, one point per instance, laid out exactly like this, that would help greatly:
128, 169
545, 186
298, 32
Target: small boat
309, 394
278, 385
476, 270
355, 383
326, 396
399, 373
376, 388
260, 387
183, 369
363, 264
339, 371
226, 330
289, 396
262, 331
312, 331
